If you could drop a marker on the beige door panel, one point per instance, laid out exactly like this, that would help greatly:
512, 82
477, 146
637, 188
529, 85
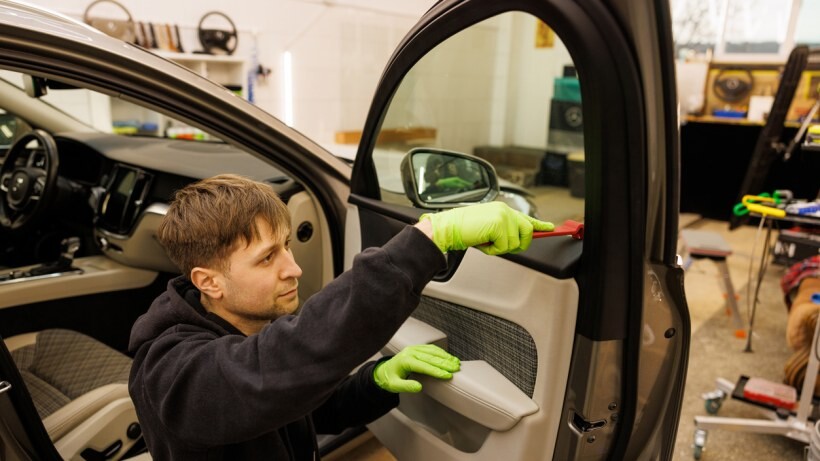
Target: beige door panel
480, 414
313, 254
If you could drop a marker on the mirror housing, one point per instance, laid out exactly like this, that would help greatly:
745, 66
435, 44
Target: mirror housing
438, 179
35, 87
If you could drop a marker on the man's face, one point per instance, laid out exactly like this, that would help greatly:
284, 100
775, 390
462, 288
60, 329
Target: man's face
260, 284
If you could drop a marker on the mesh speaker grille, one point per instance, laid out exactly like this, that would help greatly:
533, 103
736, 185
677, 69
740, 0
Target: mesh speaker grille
473, 335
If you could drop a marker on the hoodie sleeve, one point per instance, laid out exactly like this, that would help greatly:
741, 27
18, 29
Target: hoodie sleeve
355, 402
208, 390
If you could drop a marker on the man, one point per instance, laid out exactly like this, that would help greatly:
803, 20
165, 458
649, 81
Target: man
224, 370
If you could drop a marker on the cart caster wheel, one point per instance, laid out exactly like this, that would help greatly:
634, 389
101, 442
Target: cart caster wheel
713, 400
713, 405
700, 442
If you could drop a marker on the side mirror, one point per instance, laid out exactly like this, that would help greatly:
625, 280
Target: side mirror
436, 178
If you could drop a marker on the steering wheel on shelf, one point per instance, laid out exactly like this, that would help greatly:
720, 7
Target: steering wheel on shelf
26, 192
218, 41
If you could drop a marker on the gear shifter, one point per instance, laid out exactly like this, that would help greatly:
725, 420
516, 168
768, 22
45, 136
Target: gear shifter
69, 246
62, 266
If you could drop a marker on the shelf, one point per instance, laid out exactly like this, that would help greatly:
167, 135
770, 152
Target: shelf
734, 121
229, 71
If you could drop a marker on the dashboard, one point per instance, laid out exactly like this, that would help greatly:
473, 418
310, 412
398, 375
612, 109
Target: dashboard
121, 187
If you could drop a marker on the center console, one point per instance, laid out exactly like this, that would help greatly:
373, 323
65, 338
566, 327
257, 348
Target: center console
92, 274
59, 268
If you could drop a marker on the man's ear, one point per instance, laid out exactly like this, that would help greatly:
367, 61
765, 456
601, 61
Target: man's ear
208, 281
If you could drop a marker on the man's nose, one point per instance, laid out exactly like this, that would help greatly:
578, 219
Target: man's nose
290, 268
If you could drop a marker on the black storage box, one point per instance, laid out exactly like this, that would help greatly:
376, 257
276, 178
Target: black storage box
795, 245
566, 125
554, 169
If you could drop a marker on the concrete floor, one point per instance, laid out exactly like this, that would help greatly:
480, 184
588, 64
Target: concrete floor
714, 352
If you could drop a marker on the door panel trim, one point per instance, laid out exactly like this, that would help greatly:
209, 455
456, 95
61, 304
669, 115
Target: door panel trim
544, 306
557, 257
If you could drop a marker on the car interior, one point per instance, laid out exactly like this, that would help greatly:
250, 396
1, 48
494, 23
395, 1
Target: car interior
84, 238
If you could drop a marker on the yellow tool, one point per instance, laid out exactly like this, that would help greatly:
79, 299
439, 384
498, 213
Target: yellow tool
753, 204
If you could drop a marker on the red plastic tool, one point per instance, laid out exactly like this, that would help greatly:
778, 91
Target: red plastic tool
572, 228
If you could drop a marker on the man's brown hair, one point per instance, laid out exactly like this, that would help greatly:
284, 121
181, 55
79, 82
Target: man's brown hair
208, 219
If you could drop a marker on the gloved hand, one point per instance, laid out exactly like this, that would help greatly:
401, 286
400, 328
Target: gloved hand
507, 230
426, 359
453, 182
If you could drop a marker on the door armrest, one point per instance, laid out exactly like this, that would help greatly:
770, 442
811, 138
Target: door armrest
478, 391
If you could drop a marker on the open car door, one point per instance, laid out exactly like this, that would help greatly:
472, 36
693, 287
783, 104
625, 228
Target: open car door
573, 349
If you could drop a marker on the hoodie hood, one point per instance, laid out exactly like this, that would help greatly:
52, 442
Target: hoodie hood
179, 304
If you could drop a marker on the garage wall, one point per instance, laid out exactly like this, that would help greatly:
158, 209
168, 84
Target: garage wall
533, 71
338, 48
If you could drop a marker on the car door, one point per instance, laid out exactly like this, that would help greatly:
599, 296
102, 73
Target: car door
572, 349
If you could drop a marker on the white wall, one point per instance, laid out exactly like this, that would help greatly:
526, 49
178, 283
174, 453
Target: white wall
487, 85
532, 85
338, 48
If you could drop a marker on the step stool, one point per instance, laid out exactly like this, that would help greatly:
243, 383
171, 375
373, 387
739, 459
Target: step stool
711, 245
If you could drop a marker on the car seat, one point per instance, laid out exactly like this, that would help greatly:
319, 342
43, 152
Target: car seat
79, 388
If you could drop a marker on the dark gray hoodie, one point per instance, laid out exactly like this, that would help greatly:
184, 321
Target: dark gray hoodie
203, 390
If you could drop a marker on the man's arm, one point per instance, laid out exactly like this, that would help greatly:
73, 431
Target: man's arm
374, 389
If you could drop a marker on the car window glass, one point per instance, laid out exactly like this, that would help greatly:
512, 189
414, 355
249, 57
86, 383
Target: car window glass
11, 128
110, 114
504, 90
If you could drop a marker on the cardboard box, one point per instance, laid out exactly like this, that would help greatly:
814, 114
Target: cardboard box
524, 157
524, 177
493, 154
517, 164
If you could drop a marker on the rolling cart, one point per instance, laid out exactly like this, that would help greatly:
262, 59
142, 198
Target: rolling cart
783, 418
783, 421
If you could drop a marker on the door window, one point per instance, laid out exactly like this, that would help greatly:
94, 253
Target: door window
505, 90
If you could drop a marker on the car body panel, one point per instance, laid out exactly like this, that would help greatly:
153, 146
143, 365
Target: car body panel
630, 340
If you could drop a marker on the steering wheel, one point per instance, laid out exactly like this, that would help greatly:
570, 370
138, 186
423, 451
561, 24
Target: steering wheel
27, 191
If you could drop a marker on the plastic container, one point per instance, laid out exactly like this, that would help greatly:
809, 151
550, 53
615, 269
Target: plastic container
567, 89
764, 391
729, 113
575, 174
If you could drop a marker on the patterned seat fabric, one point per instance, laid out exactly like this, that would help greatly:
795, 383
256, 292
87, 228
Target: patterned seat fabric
63, 365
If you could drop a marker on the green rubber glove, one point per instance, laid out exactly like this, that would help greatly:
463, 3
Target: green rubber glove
453, 182
506, 230
391, 375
